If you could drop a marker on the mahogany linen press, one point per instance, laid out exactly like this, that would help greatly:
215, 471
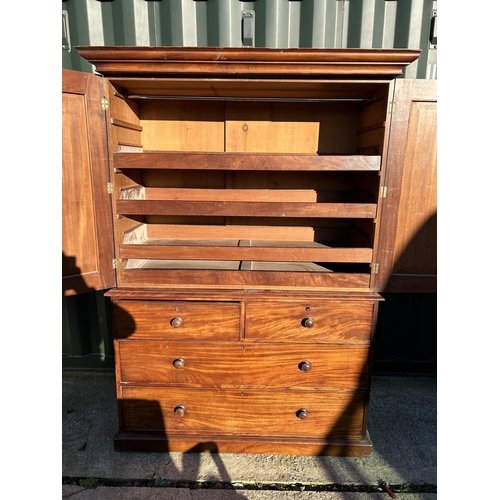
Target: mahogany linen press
236, 217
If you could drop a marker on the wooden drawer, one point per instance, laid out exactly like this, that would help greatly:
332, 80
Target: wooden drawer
225, 364
321, 321
243, 412
177, 320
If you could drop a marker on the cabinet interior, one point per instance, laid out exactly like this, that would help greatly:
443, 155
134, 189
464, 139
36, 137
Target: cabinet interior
248, 183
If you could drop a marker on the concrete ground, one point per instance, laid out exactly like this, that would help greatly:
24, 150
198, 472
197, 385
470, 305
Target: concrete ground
402, 426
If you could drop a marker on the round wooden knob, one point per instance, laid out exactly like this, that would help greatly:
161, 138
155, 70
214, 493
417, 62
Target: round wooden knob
176, 322
180, 411
302, 414
179, 363
305, 366
308, 322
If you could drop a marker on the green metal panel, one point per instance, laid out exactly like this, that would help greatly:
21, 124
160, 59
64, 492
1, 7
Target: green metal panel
406, 336
86, 331
278, 24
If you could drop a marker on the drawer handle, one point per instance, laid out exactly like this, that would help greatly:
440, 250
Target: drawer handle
180, 411
176, 322
307, 322
302, 414
179, 363
305, 366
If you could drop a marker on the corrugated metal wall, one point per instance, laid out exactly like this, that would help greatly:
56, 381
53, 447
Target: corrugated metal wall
406, 333
275, 23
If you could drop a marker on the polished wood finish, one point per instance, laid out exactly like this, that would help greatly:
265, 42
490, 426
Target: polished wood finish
232, 90
247, 201
177, 320
408, 241
263, 209
244, 412
200, 61
207, 250
86, 206
309, 321
241, 161
180, 383
194, 294
275, 275
247, 364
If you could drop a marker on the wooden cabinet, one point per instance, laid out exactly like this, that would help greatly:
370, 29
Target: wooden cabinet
246, 191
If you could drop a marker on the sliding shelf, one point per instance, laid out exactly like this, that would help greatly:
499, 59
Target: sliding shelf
245, 209
233, 224
244, 250
244, 161
272, 275
150, 257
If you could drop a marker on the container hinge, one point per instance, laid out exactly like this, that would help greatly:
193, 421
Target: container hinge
104, 104
115, 263
383, 192
375, 268
110, 188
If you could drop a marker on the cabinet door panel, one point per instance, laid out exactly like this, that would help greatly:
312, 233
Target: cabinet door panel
86, 206
408, 259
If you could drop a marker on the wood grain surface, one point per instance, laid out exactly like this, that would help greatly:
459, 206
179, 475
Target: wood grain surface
248, 412
247, 364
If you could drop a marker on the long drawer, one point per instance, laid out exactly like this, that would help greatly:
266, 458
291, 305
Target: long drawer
250, 412
177, 320
229, 364
309, 321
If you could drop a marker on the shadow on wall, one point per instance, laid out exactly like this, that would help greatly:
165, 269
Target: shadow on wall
419, 256
409, 343
406, 335
72, 281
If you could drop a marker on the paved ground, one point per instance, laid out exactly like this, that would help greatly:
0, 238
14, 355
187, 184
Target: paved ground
402, 426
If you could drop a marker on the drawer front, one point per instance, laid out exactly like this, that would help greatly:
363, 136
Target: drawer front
312, 414
226, 364
176, 320
325, 321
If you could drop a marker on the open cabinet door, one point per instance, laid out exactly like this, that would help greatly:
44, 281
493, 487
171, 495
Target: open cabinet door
87, 251
408, 261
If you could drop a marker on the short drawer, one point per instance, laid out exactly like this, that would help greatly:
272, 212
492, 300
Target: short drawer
312, 414
176, 320
322, 321
225, 364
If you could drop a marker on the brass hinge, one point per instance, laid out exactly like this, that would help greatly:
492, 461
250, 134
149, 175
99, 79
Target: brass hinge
115, 263
104, 104
392, 106
110, 188
383, 192
375, 268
